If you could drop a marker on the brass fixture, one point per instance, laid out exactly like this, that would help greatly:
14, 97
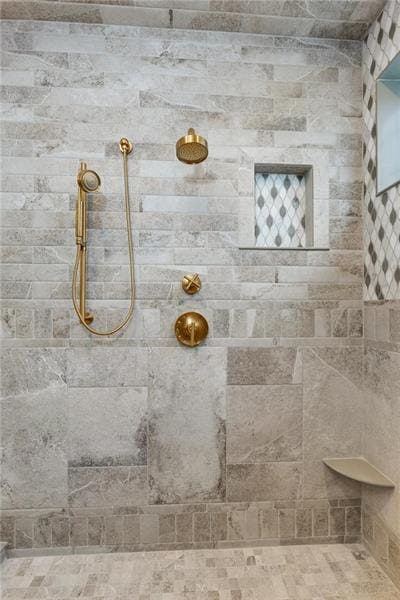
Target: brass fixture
191, 148
191, 284
89, 181
191, 329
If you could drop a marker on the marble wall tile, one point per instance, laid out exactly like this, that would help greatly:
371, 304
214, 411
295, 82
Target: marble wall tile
33, 428
190, 470
264, 481
332, 406
249, 366
105, 367
107, 486
107, 427
264, 423
381, 425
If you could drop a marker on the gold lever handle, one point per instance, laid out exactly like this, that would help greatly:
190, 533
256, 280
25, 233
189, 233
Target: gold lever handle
191, 329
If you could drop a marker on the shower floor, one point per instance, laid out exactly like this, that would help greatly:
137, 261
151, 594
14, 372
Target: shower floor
268, 573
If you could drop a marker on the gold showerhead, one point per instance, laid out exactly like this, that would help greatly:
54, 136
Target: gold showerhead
191, 148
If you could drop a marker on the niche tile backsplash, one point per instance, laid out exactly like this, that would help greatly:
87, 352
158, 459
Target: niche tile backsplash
280, 210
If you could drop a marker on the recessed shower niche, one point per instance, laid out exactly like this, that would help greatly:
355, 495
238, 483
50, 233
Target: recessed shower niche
283, 206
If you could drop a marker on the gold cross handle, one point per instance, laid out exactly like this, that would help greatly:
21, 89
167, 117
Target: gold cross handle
191, 284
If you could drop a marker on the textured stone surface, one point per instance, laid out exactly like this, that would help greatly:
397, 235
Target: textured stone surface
264, 423
107, 486
186, 425
254, 366
332, 409
34, 427
319, 19
266, 481
273, 573
107, 427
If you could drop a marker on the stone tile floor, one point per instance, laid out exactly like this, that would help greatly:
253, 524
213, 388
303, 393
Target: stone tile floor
268, 573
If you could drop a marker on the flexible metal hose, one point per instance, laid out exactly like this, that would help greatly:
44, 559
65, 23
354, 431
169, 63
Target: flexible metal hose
131, 265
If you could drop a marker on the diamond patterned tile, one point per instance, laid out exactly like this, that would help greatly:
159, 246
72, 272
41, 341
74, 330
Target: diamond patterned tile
382, 213
280, 210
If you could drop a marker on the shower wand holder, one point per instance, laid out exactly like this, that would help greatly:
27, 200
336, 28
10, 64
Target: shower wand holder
125, 146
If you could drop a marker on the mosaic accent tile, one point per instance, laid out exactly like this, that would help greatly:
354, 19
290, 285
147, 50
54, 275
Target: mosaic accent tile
280, 210
255, 573
382, 213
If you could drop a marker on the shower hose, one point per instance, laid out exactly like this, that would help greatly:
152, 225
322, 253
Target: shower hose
79, 251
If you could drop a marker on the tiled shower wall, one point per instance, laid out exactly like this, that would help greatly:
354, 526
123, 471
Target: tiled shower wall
381, 508
134, 441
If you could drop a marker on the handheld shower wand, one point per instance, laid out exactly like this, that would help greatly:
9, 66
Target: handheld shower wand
89, 181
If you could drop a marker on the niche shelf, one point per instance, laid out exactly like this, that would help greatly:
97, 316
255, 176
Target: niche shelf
359, 469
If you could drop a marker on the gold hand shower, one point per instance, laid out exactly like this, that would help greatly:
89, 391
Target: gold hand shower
89, 181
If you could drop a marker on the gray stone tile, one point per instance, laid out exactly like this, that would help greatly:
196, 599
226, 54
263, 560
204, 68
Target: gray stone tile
320, 522
353, 520
107, 427
337, 521
167, 528
131, 529
219, 526
304, 522
78, 531
96, 528
107, 486
34, 420
149, 529
264, 481
42, 533
264, 423
286, 523
23, 533
60, 531
190, 400
269, 523
107, 367
332, 406
260, 366
201, 527
184, 527
114, 530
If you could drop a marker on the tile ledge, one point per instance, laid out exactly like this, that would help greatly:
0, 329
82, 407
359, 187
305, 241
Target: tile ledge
359, 469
